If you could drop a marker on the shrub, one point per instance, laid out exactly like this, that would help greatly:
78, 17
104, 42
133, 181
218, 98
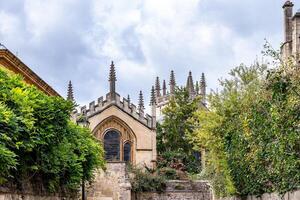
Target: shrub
145, 181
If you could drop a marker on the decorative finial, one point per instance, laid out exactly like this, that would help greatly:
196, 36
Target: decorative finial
112, 80
157, 87
128, 99
172, 82
112, 72
70, 95
288, 4
152, 98
141, 102
164, 88
203, 85
190, 85
197, 88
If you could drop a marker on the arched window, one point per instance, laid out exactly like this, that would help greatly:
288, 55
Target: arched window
127, 152
112, 145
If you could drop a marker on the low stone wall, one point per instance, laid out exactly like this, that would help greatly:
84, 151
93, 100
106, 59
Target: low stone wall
180, 190
294, 195
30, 192
9, 196
112, 184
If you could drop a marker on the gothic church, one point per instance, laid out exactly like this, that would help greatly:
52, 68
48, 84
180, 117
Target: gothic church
127, 133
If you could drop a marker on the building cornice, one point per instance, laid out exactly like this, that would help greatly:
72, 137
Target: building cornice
13, 63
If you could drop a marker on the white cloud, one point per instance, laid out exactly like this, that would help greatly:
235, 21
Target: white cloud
78, 39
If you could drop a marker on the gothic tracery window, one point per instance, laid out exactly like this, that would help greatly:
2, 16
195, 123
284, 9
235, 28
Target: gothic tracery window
112, 145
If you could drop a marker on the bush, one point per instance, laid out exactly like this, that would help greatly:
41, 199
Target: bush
39, 142
147, 181
178, 160
169, 173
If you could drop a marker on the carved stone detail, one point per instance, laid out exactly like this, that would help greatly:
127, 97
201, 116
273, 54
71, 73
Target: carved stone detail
126, 134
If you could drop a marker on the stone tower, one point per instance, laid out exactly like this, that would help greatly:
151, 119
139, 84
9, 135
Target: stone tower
291, 44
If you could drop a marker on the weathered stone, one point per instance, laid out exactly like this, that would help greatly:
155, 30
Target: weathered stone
180, 190
111, 184
293, 195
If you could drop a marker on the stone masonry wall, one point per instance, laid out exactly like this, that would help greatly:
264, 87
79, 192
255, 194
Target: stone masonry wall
10, 196
111, 184
31, 191
180, 190
294, 195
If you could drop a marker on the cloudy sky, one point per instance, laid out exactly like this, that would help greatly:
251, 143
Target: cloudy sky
76, 40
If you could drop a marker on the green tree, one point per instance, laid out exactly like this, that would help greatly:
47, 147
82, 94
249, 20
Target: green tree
39, 142
172, 140
251, 132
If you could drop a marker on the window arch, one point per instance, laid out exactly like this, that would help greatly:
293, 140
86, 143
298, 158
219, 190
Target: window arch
127, 151
112, 145
126, 135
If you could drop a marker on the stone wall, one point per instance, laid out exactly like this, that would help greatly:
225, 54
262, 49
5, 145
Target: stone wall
112, 184
180, 190
31, 191
10, 196
294, 195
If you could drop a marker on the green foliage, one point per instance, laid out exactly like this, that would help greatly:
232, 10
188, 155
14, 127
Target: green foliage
147, 180
252, 131
39, 142
178, 160
169, 173
173, 144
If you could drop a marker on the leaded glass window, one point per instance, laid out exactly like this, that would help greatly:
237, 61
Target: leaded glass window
127, 152
112, 145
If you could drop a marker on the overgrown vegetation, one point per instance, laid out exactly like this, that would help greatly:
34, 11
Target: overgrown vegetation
251, 132
174, 147
38, 141
176, 156
147, 180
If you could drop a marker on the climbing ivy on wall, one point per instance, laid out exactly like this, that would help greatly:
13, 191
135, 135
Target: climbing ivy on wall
251, 132
39, 142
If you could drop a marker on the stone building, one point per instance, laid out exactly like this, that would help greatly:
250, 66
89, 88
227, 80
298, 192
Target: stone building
128, 134
291, 44
11, 62
161, 96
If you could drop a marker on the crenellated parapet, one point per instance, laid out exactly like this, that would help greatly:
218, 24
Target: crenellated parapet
84, 113
96, 107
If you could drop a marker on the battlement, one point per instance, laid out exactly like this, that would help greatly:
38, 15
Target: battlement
95, 108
